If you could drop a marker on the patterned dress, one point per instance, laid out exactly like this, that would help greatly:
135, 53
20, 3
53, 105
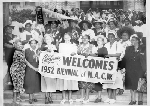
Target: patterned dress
17, 71
85, 50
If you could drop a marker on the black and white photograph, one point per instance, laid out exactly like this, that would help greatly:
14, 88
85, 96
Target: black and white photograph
74, 53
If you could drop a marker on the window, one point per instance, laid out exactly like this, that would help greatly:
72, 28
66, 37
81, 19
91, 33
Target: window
115, 3
108, 2
15, 3
30, 3
118, 3
85, 2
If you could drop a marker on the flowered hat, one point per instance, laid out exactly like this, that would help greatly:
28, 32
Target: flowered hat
27, 22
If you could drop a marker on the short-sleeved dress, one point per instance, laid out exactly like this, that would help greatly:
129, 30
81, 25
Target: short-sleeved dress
17, 71
67, 49
48, 84
101, 52
115, 48
32, 81
85, 49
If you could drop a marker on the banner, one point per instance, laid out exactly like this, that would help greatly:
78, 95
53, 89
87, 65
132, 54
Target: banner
79, 68
51, 14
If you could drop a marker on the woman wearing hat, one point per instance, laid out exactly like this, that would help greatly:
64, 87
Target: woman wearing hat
133, 59
8, 47
27, 34
98, 30
32, 81
17, 70
112, 26
114, 51
85, 26
100, 51
48, 85
74, 30
127, 22
54, 31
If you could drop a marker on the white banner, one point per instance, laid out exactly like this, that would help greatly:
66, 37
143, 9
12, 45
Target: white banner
79, 68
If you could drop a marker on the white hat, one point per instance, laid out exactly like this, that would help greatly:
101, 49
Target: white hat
134, 35
101, 36
27, 21
113, 32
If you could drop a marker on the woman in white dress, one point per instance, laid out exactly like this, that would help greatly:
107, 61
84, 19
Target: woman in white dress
48, 85
114, 51
67, 48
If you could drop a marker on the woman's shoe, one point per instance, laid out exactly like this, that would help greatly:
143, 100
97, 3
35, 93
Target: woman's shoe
112, 101
86, 101
35, 100
30, 101
80, 100
120, 92
140, 102
107, 100
132, 103
98, 100
63, 101
71, 101
50, 100
46, 100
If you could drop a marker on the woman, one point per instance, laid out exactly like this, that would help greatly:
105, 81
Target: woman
134, 69
27, 34
32, 83
124, 35
67, 48
17, 70
85, 49
48, 85
100, 51
114, 51
85, 26
98, 30
112, 27
8, 47
75, 31
54, 32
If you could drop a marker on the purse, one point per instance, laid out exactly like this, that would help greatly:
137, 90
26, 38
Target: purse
142, 85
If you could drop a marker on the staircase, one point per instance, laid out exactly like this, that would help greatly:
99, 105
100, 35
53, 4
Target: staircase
57, 97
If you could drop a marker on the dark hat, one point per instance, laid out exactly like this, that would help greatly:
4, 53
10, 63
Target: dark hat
127, 19
84, 21
97, 21
56, 21
125, 29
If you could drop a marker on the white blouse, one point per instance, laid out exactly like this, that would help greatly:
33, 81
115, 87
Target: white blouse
115, 48
67, 49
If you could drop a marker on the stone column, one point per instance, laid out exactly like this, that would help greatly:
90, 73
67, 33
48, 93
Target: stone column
5, 13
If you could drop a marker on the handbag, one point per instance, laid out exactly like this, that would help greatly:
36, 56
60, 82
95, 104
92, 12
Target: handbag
142, 85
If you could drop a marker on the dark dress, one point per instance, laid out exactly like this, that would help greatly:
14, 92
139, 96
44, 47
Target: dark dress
9, 52
17, 71
32, 79
102, 52
133, 65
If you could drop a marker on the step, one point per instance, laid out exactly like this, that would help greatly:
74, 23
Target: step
57, 103
8, 95
75, 95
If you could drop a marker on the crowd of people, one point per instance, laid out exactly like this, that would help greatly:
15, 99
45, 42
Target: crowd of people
108, 34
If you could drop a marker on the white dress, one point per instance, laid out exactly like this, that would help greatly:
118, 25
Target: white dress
48, 84
67, 49
116, 48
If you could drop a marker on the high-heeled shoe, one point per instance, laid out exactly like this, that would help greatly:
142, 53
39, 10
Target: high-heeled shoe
50, 100
46, 100
30, 101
